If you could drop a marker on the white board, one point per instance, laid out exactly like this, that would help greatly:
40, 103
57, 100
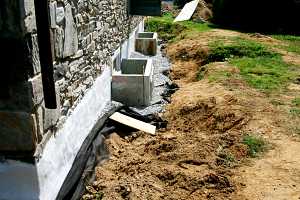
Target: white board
134, 123
187, 12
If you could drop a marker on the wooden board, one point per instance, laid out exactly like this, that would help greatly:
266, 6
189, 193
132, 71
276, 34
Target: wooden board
134, 123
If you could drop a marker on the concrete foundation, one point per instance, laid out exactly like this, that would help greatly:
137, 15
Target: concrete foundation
133, 85
146, 43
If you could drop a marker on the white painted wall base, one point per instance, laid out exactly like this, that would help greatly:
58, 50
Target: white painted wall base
43, 180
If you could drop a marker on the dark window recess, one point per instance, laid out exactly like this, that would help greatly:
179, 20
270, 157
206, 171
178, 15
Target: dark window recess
145, 7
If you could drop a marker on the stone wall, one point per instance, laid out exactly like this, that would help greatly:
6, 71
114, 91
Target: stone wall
84, 34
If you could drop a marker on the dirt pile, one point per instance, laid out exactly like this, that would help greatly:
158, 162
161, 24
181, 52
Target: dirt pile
203, 12
201, 153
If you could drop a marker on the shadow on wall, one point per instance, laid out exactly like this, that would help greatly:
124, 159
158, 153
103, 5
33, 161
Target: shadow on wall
18, 179
13, 51
259, 15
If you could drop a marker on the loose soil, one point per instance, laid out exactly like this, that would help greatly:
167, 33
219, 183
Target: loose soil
201, 155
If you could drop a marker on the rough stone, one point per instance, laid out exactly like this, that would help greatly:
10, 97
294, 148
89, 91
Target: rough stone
60, 15
71, 40
35, 55
52, 12
51, 116
36, 89
28, 14
59, 42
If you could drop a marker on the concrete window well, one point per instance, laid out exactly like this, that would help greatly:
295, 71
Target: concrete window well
133, 85
146, 43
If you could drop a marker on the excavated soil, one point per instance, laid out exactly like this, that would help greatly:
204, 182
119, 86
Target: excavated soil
200, 155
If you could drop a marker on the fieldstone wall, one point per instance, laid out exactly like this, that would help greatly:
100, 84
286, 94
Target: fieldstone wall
84, 35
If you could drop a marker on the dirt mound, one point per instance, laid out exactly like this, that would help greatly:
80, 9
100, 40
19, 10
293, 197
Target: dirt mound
200, 152
203, 12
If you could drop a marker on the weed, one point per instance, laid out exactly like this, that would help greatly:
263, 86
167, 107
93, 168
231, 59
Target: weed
99, 195
260, 67
296, 101
295, 112
255, 145
170, 31
219, 75
237, 49
292, 42
264, 73
226, 159
165, 27
276, 102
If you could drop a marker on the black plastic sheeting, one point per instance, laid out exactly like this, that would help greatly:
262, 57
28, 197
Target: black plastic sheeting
94, 151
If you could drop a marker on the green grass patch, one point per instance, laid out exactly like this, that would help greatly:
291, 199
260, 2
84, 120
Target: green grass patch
255, 145
260, 67
170, 31
295, 112
219, 75
296, 101
292, 43
236, 49
264, 73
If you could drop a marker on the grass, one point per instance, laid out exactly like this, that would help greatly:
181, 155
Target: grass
219, 75
236, 49
255, 145
260, 67
266, 74
292, 43
296, 101
170, 31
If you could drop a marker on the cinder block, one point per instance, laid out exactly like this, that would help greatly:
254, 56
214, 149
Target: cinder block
146, 43
134, 85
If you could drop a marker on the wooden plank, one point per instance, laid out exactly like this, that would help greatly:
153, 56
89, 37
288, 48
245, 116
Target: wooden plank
134, 123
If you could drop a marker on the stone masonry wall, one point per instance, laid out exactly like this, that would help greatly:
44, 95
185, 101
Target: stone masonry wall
85, 33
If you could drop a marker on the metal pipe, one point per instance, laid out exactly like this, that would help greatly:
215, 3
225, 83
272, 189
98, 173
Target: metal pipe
45, 53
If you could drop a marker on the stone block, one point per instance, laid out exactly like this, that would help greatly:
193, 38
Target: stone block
59, 15
51, 116
71, 39
35, 55
17, 131
59, 42
52, 12
28, 15
36, 85
146, 43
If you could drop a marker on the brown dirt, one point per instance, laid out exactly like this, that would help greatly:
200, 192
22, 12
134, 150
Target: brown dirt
200, 155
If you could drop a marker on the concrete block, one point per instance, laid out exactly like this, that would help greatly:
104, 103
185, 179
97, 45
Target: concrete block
17, 131
146, 43
134, 85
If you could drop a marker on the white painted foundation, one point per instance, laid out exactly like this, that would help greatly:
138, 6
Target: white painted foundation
43, 180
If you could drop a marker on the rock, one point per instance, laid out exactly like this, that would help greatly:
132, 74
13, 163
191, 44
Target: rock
35, 55
51, 116
36, 88
59, 42
71, 39
60, 15
52, 12
28, 15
